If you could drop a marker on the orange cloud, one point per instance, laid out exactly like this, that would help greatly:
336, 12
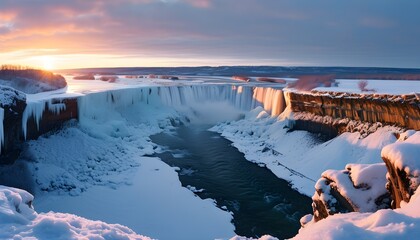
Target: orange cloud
7, 16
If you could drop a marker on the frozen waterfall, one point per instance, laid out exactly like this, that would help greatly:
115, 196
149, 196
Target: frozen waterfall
180, 98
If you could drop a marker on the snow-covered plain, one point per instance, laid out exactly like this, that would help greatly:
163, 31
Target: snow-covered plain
378, 86
96, 168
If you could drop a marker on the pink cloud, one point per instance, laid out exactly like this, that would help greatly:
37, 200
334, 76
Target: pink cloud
200, 3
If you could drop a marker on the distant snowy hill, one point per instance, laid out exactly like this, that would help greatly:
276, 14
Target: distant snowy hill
31, 80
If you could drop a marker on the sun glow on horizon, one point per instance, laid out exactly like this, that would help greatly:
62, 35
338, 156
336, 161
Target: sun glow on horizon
48, 63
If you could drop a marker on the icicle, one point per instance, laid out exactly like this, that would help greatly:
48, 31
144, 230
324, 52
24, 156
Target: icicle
36, 110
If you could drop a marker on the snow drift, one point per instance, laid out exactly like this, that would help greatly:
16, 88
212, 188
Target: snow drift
19, 220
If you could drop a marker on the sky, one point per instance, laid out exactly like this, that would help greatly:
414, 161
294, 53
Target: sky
57, 34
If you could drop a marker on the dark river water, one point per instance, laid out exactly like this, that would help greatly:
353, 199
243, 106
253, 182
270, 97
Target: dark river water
261, 202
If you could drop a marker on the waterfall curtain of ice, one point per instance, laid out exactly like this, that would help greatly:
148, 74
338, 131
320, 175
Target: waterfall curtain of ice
207, 100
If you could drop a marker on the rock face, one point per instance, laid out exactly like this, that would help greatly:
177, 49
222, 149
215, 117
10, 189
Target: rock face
14, 108
402, 160
358, 188
403, 111
13, 104
51, 118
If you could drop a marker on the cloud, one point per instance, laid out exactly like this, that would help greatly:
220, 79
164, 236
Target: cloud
376, 22
199, 3
257, 32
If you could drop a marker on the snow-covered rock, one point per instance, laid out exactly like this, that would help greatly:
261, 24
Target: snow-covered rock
20, 221
12, 106
358, 188
403, 162
403, 223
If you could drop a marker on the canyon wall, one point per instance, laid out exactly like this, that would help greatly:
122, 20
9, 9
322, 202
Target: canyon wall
332, 113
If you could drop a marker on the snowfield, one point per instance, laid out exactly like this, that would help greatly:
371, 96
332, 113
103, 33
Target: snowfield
378, 86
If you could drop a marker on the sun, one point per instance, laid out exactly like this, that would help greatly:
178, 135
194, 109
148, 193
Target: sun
47, 62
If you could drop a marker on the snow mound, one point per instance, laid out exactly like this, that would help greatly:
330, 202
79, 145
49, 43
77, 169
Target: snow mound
9, 96
19, 220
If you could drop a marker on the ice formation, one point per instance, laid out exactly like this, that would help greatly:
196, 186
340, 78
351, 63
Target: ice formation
187, 98
36, 109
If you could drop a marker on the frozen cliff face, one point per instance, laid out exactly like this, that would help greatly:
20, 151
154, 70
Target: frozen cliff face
358, 188
20, 221
12, 106
403, 162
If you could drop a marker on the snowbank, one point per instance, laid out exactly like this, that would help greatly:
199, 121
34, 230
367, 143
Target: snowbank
19, 220
299, 156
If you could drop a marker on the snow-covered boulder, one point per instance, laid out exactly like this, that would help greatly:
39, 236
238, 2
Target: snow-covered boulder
403, 162
358, 188
20, 221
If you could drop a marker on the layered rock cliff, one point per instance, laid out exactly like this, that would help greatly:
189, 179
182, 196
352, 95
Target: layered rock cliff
332, 113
